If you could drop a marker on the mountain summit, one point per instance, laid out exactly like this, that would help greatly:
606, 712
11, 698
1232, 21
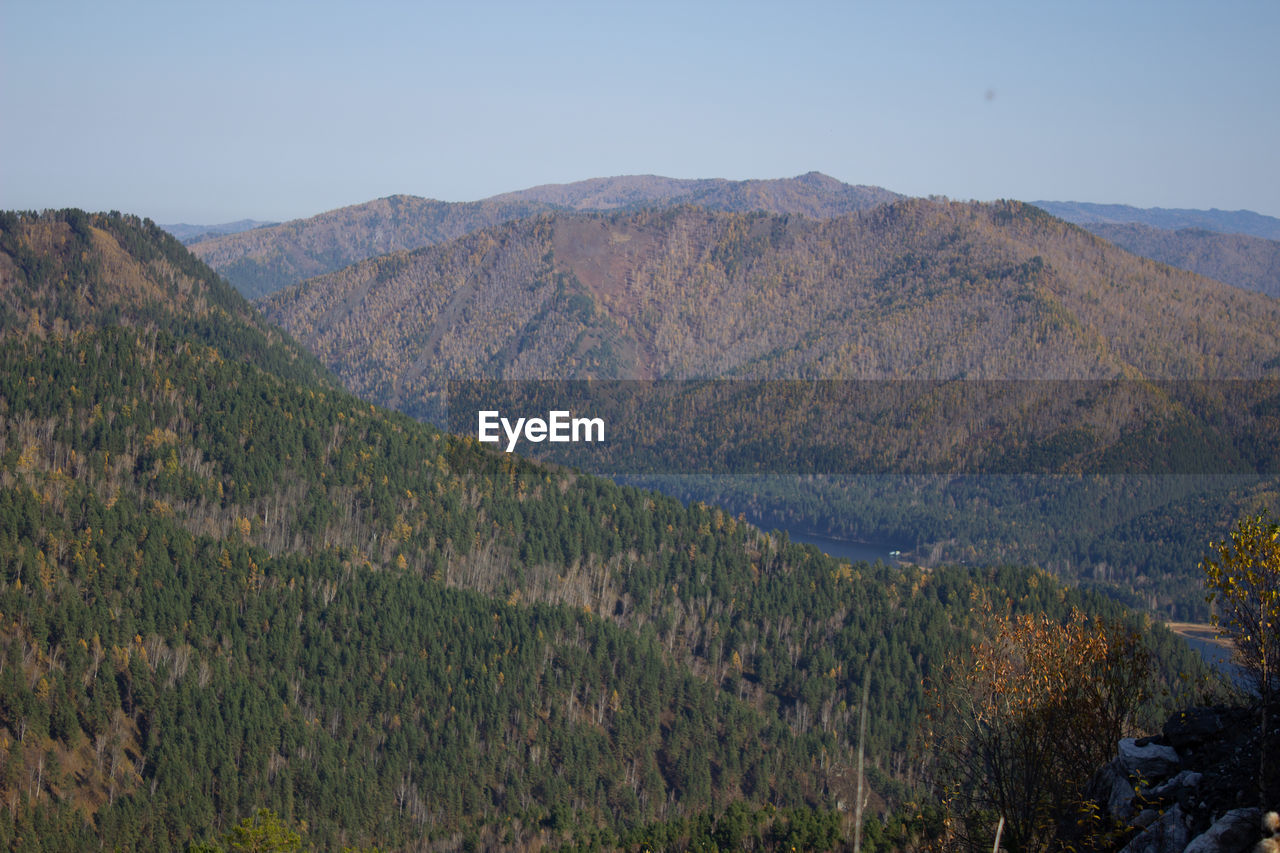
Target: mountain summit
263, 260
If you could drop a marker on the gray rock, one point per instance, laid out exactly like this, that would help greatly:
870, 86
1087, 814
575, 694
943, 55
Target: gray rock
1150, 761
1167, 835
1187, 779
1120, 801
1234, 832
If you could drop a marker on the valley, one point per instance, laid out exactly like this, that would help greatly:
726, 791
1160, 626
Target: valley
910, 291
425, 640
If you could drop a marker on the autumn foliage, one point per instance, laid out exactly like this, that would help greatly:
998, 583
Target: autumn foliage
1242, 575
1028, 719
1243, 578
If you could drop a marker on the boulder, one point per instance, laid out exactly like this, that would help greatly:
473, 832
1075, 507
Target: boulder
1234, 832
1110, 788
1169, 834
1180, 787
1150, 761
1120, 802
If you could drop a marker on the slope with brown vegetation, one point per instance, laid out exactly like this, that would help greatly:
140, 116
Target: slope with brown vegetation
915, 289
1252, 263
264, 260
812, 194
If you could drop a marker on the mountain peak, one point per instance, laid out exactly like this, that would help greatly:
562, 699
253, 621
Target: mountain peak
264, 260
818, 179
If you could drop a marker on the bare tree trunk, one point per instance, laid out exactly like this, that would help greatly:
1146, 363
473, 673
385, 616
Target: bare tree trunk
862, 738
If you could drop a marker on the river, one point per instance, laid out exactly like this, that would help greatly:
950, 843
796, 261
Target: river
847, 550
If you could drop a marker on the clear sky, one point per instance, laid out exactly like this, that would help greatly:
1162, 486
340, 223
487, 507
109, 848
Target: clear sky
214, 111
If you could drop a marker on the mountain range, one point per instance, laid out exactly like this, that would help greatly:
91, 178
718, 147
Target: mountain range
1167, 219
231, 583
907, 290
228, 584
911, 289
196, 233
1239, 247
263, 260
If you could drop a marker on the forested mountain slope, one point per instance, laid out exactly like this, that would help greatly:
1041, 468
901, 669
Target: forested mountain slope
227, 584
911, 290
914, 289
1169, 219
1252, 263
262, 261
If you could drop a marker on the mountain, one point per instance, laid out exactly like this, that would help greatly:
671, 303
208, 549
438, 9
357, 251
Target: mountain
913, 290
910, 290
264, 260
70, 273
1170, 219
1252, 263
228, 584
189, 234
813, 194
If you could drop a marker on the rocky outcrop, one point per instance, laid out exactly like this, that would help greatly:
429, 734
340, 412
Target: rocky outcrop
1189, 789
1146, 760
1171, 832
1235, 830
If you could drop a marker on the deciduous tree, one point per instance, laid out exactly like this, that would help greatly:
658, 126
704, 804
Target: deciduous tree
1243, 577
1026, 720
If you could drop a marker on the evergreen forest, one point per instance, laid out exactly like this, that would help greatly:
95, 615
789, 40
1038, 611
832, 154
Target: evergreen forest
227, 585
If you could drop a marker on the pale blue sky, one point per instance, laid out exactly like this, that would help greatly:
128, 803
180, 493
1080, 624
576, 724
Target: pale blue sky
273, 110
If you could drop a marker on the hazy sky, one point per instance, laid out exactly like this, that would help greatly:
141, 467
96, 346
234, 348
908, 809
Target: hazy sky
271, 110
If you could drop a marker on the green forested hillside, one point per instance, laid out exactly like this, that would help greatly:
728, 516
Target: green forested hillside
226, 584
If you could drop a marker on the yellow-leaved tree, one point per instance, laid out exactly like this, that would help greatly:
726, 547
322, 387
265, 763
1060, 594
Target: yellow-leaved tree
1242, 575
1035, 709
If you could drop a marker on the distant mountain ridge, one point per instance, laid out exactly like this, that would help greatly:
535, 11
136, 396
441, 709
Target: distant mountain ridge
188, 234
1221, 221
812, 194
261, 261
914, 289
1243, 260
259, 258
1238, 247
